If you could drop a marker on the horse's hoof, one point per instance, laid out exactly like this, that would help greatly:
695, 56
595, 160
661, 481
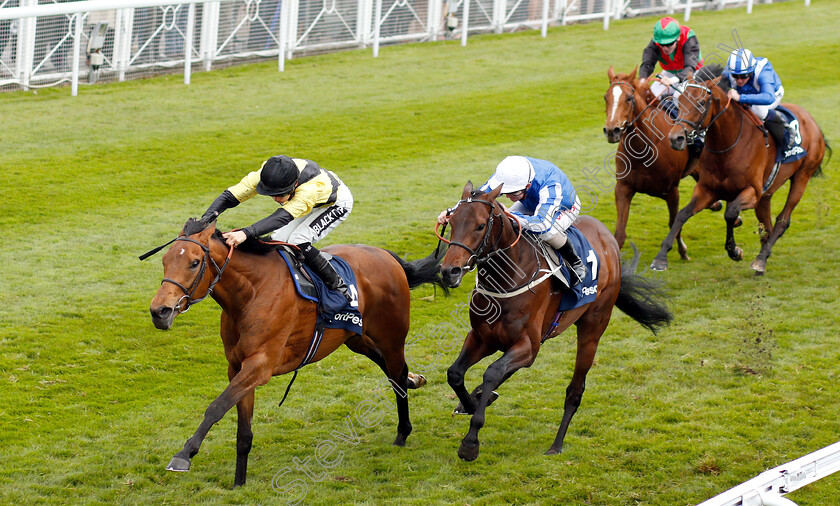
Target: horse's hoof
416, 381
717, 206
759, 267
738, 222
552, 451
459, 410
468, 453
659, 265
178, 465
737, 254
400, 441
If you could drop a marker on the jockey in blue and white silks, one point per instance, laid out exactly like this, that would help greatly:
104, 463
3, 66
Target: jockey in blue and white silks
544, 202
753, 82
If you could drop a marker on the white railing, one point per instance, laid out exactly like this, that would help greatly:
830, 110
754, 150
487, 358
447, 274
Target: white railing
62, 41
767, 488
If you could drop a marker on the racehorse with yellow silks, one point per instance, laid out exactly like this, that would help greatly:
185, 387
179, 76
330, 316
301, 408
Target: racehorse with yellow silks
267, 329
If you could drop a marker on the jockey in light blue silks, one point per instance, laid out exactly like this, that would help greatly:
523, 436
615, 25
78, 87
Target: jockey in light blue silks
545, 203
756, 84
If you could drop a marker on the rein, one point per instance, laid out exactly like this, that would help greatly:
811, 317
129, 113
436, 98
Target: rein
697, 128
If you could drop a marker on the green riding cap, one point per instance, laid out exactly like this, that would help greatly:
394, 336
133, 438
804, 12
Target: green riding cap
666, 31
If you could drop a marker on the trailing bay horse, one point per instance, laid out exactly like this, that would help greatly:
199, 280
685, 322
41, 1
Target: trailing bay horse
735, 164
525, 315
644, 161
267, 329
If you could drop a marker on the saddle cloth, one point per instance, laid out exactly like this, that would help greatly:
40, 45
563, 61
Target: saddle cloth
333, 310
585, 291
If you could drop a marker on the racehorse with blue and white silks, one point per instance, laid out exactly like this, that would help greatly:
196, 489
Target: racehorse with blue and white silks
739, 165
515, 279
268, 330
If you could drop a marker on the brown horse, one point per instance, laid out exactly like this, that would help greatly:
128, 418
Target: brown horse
267, 329
517, 321
735, 165
644, 161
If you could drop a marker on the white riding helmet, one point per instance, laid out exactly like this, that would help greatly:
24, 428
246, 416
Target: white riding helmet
513, 173
741, 62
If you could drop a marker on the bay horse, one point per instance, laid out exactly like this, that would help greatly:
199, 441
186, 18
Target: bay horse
267, 329
735, 164
483, 236
644, 160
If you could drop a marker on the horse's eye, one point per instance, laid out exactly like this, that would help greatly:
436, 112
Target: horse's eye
628, 99
194, 264
480, 227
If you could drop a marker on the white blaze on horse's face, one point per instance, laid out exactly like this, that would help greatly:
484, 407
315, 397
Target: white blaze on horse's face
616, 91
182, 251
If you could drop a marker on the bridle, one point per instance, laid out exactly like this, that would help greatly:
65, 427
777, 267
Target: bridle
478, 256
627, 124
205, 260
698, 128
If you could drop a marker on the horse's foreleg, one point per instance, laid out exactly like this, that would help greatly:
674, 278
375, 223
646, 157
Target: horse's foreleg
672, 199
254, 372
733, 210
472, 351
765, 222
589, 334
623, 198
244, 437
745, 200
699, 201
797, 189
520, 355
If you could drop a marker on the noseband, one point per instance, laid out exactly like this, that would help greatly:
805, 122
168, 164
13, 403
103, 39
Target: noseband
189, 292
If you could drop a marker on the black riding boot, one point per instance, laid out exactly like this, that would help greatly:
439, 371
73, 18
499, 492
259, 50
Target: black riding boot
777, 127
694, 150
325, 270
570, 255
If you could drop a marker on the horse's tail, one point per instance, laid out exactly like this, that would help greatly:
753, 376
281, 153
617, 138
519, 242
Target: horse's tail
425, 270
641, 298
825, 160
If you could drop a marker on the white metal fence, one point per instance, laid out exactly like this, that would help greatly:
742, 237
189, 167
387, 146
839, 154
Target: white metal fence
50, 42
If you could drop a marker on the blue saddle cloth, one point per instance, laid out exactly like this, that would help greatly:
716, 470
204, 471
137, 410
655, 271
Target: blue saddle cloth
586, 291
333, 309
796, 151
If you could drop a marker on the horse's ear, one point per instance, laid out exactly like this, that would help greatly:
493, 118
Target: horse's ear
204, 235
494, 194
717, 80
611, 73
468, 189
632, 76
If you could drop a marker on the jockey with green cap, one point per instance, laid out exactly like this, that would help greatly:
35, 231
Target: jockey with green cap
676, 50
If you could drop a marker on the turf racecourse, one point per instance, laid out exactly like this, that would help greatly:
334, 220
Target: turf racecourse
96, 401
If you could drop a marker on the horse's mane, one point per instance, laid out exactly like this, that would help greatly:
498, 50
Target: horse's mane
708, 72
253, 246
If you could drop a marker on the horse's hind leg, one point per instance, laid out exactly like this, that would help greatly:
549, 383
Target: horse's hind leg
520, 355
393, 364
472, 351
797, 189
589, 334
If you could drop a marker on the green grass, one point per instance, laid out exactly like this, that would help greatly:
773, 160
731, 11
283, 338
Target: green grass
96, 401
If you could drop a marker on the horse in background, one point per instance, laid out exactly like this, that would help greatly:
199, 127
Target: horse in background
736, 166
267, 329
483, 235
644, 161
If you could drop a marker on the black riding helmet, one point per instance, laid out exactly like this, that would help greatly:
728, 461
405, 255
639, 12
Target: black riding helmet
279, 176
